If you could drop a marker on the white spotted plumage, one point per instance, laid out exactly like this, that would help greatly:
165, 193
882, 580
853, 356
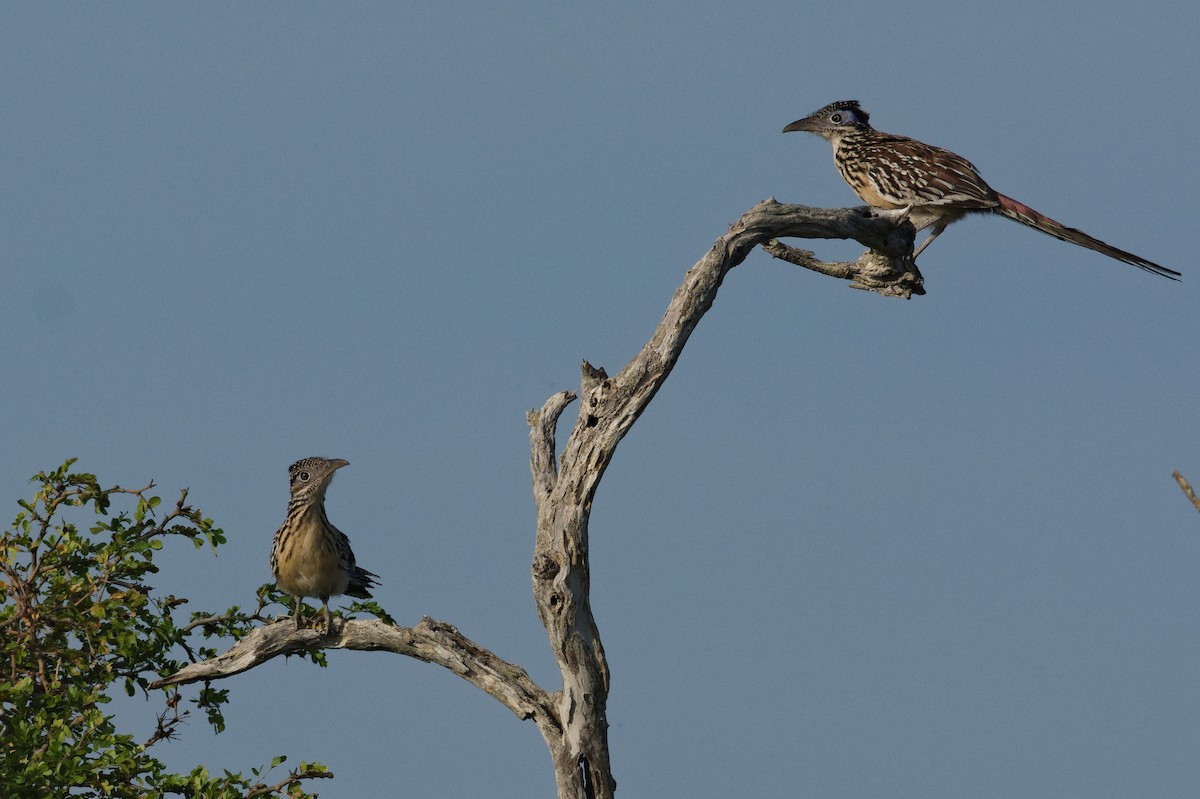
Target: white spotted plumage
930, 186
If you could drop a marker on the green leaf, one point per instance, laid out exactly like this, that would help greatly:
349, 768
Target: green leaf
99, 630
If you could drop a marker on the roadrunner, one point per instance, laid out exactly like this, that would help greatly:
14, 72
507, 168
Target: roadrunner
927, 185
309, 556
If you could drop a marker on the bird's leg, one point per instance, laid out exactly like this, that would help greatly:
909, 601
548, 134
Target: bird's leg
328, 615
933, 234
296, 616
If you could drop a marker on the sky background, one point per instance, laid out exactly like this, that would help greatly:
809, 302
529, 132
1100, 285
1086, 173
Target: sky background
856, 547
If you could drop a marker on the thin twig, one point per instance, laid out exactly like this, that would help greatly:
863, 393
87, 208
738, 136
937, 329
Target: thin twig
294, 776
1187, 489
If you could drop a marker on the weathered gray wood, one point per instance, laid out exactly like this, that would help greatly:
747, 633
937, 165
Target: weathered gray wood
608, 408
431, 641
872, 271
574, 721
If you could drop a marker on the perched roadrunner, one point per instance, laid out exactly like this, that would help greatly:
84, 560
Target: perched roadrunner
311, 557
929, 186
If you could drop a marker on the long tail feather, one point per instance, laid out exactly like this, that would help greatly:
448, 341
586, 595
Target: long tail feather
361, 581
1027, 216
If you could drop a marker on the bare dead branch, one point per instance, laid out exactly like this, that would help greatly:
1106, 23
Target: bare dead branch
431, 641
542, 427
1187, 489
886, 268
871, 272
608, 408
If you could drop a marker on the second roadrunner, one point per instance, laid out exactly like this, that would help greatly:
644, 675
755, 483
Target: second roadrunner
927, 185
309, 556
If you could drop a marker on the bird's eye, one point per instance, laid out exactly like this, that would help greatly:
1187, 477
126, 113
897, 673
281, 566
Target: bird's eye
303, 477
836, 119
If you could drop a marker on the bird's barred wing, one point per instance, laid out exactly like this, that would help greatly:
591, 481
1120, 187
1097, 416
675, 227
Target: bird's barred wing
361, 580
277, 544
914, 172
345, 554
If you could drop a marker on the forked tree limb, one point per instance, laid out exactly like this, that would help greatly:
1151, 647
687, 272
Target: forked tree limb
574, 721
608, 408
872, 271
886, 268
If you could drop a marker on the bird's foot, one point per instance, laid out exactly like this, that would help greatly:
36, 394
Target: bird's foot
324, 625
298, 614
896, 215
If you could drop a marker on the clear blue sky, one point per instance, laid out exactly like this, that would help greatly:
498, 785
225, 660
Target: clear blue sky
856, 547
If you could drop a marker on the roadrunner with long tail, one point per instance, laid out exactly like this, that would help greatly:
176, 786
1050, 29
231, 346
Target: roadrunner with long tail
929, 186
311, 557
